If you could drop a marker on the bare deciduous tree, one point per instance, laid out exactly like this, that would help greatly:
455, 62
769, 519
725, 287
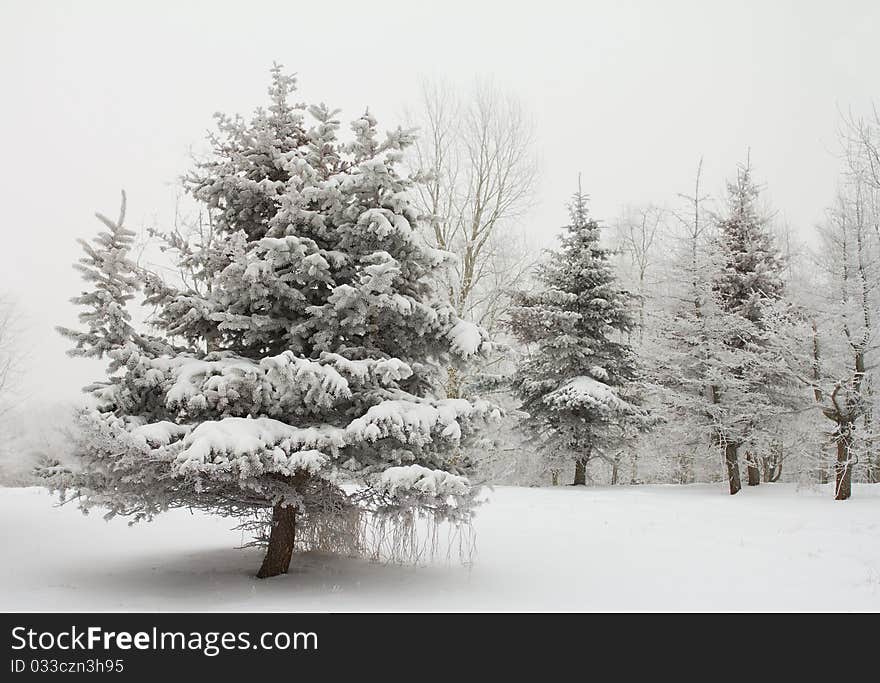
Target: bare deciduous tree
637, 231
861, 142
10, 352
476, 157
842, 375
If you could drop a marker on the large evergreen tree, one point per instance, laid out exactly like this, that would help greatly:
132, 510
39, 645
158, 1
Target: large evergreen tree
577, 382
305, 352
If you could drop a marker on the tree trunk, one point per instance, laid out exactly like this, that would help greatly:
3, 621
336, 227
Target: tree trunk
580, 472
614, 473
772, 464
732, 461
554, 477
843, 467
685, 469
874, 469
752, 471
281, 539
453, 383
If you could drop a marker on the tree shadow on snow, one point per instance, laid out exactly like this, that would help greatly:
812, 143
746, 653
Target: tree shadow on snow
223, 579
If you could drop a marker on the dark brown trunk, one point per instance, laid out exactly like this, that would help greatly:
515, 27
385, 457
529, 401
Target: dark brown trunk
752, 472
732, 461
281, 540
843, 467
772, 464
614, 473
580, 472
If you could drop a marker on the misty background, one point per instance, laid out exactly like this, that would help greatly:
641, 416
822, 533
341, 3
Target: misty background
101, 96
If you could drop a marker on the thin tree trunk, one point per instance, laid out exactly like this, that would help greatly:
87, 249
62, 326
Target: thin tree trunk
772, 470
686, 469
772, 464
778, 474
874, 469
732, 461
752, 471
453, 383
580, 472
281, 540
843, 467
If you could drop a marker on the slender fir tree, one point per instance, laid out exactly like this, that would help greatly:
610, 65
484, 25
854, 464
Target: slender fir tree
749, 283
752, 269
578, 381
721, 370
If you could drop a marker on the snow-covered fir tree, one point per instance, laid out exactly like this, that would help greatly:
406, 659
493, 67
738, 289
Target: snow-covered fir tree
306, 355
722, 392
752, 269
725, 376
115, 277
750, 284
578, 381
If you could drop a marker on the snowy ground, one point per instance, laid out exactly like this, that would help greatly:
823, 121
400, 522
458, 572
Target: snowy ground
626, 548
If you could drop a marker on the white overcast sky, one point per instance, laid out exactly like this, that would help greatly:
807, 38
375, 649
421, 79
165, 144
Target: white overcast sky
98, 96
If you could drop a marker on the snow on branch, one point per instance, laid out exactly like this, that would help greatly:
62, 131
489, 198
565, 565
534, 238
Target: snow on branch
586, 392
414, 421
385, 371
159, 434
321, 384
384, 222
415, 479
270, 385
255, 446
467, 339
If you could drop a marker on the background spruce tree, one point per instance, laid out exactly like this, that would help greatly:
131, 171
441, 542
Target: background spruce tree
578, 381
751, 274
305, 352
748, 285
723, 376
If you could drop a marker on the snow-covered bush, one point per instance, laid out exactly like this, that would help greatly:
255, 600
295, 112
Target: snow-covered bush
33, 440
